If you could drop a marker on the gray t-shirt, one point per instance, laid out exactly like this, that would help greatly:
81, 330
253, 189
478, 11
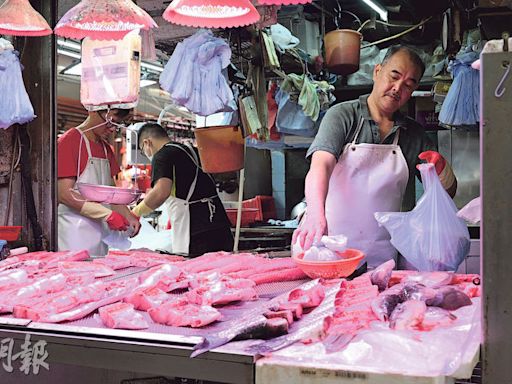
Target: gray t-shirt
339, 125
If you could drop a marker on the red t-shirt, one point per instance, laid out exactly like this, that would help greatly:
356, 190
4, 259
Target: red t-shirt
67, 155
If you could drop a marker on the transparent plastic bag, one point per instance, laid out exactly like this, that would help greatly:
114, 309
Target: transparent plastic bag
431, 236
15, 105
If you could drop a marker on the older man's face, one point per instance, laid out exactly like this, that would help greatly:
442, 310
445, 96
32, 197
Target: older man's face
394, 82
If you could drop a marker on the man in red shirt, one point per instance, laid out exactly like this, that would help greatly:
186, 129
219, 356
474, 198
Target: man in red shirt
84, 155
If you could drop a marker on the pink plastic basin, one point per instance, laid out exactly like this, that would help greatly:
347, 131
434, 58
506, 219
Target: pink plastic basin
107, 194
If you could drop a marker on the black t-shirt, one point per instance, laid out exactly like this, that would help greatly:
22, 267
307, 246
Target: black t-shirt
173, 163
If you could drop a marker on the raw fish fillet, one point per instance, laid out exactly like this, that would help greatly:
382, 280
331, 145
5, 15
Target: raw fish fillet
76, 303
147, 298
180, 313
284, 314
115, 262
167, 277
12, 278
275, 276
97, 270
220, 293
408, 315
122, 315
381, 275
307, 299
430, 279
34, 289
435, 318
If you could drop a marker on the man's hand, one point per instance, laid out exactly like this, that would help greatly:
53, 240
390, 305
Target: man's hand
117, 222
310, 230
134, 224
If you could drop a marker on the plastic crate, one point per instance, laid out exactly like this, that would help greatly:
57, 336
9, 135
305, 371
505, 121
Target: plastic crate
265, 205
10, 233
248, 216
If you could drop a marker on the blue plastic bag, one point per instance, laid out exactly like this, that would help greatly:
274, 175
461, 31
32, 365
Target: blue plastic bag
431, 236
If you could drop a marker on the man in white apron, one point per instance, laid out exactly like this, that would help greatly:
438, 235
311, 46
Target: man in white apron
199, 223
363, 160
85, 156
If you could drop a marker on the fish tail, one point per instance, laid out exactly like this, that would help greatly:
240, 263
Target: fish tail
208, 344
336, 342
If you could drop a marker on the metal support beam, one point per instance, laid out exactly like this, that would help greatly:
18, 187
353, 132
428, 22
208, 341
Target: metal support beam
496, 192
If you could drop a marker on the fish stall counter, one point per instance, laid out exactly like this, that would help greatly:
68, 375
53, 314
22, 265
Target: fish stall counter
299, 329
79, 337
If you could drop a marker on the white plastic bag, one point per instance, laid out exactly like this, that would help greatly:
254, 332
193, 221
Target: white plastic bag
431, 236
472, 211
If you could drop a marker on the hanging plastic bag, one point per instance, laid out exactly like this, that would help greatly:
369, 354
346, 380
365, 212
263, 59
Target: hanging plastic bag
15, 105
118, 240
110, 73
431, 236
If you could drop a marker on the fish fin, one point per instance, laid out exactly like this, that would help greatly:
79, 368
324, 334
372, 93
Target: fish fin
208, 344
336, 342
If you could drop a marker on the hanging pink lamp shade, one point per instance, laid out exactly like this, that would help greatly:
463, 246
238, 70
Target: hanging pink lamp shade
211, 13
18, 18
103, 20
283, 2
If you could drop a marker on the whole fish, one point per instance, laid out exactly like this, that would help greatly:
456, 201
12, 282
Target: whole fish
381, 275
309, 327
251, 322
408, 315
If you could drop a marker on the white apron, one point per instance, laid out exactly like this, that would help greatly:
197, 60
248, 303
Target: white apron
368, 178
77, 232
179, 212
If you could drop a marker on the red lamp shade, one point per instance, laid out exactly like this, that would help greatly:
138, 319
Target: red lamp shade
283, 2
18, 18
103, 20
211, 13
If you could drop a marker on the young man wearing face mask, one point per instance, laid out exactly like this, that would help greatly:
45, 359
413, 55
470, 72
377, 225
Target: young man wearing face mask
84, 155
199, 223
363, 160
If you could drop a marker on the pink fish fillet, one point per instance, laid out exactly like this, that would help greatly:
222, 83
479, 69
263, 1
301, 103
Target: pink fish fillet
112, 291
308, 298
146, 298
115, 262
167, 277
220, 293
436, 318
275, 276
179, 313
408, 315
122, 315
12, 278
266, 265
97, 270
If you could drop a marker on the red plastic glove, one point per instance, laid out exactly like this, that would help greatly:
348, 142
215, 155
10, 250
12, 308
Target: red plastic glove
435, 158
443, 169
117, 222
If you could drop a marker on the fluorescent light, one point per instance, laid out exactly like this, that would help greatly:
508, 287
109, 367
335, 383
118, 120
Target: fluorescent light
151, 66
65, 52
69, 44
146, 83
378, 8
75, 70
